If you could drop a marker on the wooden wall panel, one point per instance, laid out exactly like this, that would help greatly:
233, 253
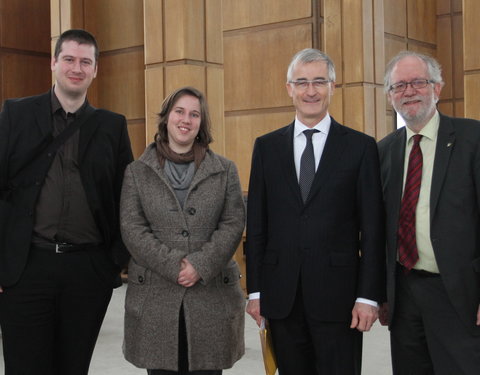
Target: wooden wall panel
336, 105
240, 135
358, 41
115, 24
460, 108
443, 7
444, 55
457, 56
247, 13
392, 47
153, 31
24, 25
214, 29
184, 24
23, 75
120, 81
215, 92
472, 93
154, 89
136, 132
332, 35
421, 20
382, 128
256, 66
361, 108
395, 12
471, 38
184, 75
446, 108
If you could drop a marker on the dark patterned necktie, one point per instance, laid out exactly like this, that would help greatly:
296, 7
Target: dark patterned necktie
307, 165
407, 242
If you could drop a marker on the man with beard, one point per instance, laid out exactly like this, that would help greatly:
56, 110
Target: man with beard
431, 181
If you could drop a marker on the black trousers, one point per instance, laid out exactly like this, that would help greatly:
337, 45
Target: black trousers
183, 355
304, 345
427, 336
51, 318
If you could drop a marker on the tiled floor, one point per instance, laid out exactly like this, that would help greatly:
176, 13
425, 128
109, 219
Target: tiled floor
108, 358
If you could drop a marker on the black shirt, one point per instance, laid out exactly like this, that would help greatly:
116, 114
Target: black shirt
62, 213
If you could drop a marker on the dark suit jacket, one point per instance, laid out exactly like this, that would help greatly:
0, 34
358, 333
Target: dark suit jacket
104, 152
334, 243
454, 210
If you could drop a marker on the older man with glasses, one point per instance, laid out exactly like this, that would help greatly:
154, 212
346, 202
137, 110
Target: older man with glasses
431, 183
315, 243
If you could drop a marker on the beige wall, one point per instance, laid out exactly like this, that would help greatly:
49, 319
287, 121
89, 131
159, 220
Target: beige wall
237, 52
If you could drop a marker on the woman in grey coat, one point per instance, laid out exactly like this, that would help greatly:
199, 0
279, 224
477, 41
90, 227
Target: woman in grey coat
182, 217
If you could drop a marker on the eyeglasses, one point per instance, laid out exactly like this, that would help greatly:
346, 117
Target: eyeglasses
416, 84
317, 84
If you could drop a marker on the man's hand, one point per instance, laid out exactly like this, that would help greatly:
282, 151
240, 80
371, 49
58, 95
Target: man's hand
478, 315
363, 316
383, 314
253, 309
188, 276
1, 290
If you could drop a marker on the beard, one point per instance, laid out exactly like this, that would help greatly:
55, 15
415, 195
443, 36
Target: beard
422, 115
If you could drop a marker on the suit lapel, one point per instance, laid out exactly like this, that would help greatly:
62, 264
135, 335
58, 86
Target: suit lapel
43, 114
285, 152
443, 150
397, 161
334, 146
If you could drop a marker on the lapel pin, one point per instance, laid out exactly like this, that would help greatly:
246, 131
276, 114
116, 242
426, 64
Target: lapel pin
449, 144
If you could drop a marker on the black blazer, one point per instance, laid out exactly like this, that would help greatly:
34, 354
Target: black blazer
334, 243
104, 152
454, 211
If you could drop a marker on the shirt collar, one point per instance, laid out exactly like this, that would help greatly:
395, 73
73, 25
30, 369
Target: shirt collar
57, 106
323, 126
430, 130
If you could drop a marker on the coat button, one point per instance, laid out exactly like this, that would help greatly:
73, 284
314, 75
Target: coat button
141, 279
192, 211
226, 280
185, 233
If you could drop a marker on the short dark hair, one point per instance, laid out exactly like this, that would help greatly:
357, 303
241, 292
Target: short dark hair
204, 136
77, 35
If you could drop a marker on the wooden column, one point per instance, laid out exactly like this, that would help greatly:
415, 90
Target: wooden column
471, 41
24, 48
183, 47
450, 56
119, 85
353, 35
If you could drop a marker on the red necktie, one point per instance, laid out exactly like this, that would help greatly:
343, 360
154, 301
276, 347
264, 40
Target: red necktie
407, 243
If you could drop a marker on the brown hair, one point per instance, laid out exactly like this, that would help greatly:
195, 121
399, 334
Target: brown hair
204, 136
77, 35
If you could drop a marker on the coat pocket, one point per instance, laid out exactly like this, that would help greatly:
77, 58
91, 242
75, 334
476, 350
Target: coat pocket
137, 290
228, 282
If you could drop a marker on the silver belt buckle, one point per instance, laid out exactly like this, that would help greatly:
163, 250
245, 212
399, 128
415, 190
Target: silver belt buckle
57, 248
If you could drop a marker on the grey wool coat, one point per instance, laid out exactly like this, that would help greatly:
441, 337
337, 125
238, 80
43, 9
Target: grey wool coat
159, 234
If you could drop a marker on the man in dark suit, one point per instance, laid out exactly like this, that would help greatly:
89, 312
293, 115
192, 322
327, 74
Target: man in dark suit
315, 257
60, 246
431, 181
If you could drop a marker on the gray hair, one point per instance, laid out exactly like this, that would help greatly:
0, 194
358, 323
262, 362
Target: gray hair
309, 55
433, 67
